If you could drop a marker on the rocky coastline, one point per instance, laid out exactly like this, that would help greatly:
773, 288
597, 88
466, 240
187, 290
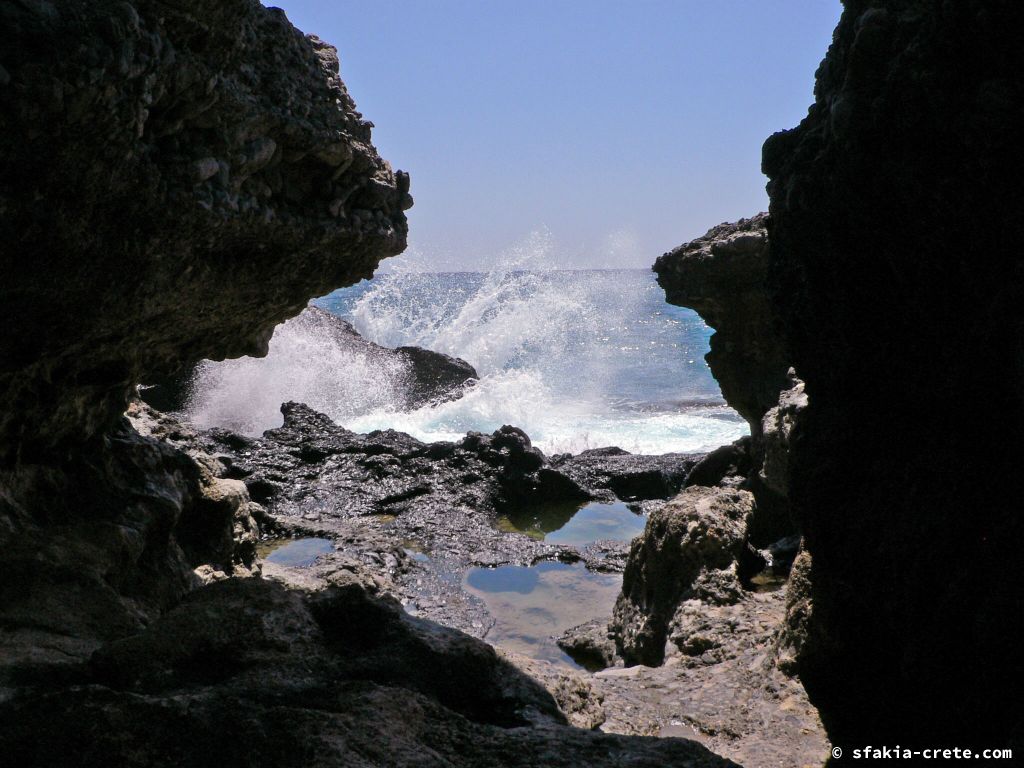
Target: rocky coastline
205, 173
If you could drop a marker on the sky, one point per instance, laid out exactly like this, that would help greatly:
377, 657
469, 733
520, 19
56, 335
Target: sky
601, 133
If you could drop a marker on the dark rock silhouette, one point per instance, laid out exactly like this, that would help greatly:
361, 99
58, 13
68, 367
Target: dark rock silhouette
174, 183
176, 179
897, 279
167, 179
247, 671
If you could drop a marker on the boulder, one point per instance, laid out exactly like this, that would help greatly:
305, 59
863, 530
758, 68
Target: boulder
689, 549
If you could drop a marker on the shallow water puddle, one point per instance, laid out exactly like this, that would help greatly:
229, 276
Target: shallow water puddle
415, 550
295, 553
575, 525
533, 605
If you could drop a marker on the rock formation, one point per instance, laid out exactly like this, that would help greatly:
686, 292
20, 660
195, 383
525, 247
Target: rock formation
688, 550
169, 190
175, 180
722, 276
313, 475
897, 280
429, 376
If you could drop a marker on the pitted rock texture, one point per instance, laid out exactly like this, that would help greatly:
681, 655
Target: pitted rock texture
175, 180
778, 432
722, 276
717, 687
898, 280
689, 549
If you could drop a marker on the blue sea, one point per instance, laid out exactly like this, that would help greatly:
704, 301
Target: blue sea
578, 359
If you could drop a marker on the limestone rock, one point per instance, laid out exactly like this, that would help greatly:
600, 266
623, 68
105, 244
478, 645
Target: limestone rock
124, 533
777, 435
793, 633
722, 276
689, 549
591, 645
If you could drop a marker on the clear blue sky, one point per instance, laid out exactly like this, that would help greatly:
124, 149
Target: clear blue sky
621, 128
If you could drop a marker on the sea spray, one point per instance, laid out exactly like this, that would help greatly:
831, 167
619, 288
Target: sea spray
578, 359
307, 363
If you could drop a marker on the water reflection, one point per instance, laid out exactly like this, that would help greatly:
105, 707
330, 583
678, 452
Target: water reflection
297, 553
533, 605
575, 525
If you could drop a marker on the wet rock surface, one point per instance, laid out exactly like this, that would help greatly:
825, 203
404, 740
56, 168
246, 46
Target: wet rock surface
615, 473
885, 267
439, 499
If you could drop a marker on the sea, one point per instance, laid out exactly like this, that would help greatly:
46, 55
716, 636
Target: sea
578, 359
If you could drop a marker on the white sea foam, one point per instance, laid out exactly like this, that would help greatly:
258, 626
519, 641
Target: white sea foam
554, 350
306, 363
